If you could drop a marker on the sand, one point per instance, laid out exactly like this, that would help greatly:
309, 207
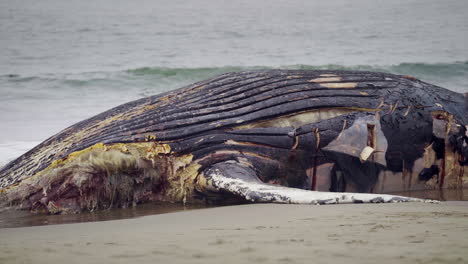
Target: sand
259, 233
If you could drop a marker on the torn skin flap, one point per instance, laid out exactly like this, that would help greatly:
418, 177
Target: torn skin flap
358, 140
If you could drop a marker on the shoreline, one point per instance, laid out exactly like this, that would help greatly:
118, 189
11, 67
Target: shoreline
267, 233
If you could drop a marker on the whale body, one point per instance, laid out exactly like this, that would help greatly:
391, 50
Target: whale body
285, 136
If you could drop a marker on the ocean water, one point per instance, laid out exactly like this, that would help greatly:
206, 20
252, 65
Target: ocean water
64, 61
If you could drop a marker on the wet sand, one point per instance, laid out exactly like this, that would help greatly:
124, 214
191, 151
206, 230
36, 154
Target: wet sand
260, 233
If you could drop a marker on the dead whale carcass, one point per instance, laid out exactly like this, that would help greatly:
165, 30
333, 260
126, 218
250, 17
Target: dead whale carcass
287, 136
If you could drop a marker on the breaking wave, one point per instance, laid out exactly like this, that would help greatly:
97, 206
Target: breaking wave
417, 69
438, 69
453, 76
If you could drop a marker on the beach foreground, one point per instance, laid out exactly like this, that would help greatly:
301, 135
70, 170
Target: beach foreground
261, 233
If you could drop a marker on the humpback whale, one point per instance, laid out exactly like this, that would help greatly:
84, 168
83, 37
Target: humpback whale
280, 136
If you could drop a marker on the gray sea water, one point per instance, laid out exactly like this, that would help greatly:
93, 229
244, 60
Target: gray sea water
64, 61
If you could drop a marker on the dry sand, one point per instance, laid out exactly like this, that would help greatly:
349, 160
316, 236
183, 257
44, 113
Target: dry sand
261, 233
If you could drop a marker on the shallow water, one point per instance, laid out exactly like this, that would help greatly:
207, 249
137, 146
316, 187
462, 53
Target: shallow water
14, 218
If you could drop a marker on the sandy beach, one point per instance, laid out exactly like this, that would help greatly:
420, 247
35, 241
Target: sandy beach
261, 233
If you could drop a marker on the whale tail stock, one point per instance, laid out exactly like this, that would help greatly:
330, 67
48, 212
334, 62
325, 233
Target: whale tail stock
241, 181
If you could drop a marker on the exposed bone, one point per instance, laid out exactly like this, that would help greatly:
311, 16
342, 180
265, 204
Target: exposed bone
365, 154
